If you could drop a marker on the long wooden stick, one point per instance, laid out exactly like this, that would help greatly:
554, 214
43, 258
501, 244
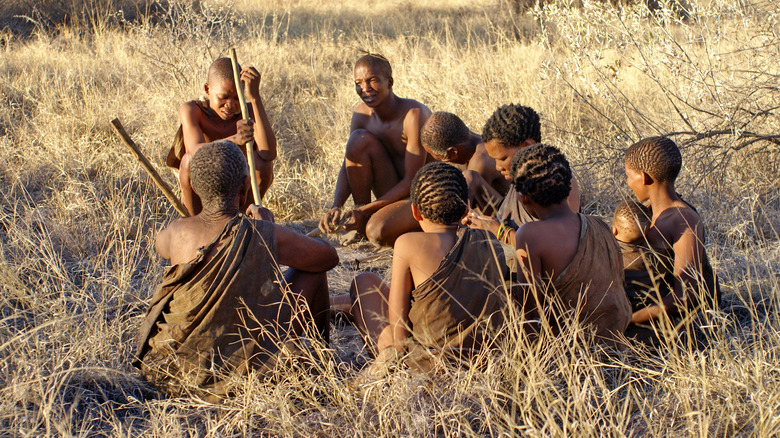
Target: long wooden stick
250, 147
148, 167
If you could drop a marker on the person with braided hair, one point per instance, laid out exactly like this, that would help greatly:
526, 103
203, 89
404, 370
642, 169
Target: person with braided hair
383, 153
446, 290
675, 234
508, 130
447, 139
221, 308
571, 260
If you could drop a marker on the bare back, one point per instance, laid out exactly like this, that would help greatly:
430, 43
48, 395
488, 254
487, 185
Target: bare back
180, 241
423, 252
547, 247
676, 233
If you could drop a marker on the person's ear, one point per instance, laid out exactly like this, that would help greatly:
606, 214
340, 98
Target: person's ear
528, 142
524, 199
206, 88
390, 81
416, 213
614, 230
452, 154
647, 179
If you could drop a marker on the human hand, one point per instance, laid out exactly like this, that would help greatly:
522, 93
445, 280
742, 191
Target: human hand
257, 212
251, 79
244, 132
473, 219
354, 219
331, 221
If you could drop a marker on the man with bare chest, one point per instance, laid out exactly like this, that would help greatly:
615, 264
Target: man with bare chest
383, 154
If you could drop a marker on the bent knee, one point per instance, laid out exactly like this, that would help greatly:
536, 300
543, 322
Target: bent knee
361, 140
363, 284
379, 232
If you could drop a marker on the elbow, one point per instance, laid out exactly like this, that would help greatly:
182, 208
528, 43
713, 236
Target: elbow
267, 155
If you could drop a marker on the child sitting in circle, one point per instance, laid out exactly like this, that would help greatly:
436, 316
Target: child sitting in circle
570, 260
447, 286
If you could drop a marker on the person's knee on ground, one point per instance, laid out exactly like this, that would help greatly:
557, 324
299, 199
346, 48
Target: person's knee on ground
384, 226
369, 305
313, 288
377, 232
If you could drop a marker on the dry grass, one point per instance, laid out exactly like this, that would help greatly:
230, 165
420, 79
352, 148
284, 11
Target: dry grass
78, 215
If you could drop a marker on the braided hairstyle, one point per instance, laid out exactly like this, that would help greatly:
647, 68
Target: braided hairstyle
658, 157
631, 220
217, 171
440, 191
221, 68
376, 61
443, 130
512, 125
542, 173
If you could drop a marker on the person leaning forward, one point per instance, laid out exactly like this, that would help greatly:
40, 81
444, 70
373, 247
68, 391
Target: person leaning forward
217, 116
220, 310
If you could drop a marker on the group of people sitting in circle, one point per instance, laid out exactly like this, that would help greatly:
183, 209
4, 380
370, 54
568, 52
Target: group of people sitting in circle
482, 227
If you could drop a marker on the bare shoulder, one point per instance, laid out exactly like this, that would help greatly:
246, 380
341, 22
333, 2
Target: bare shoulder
165, 241
189, 108
532, 233
360, 117
412, 245
481, 161
676, 220
414, 108
362, 109
409, 241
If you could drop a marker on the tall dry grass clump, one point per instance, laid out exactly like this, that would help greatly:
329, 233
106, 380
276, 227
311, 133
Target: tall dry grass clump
78, 218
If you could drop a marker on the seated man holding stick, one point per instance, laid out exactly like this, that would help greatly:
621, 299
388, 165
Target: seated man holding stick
220, 309
218, 117
383, 154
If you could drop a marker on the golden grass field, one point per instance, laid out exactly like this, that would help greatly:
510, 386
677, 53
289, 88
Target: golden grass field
78, 218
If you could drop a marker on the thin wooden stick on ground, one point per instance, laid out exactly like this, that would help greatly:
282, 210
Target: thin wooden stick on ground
158, 181
250, 147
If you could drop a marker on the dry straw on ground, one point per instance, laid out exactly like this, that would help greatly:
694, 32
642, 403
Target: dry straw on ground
78, 215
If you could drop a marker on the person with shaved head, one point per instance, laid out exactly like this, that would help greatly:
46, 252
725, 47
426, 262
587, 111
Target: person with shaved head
382, 155
447, 139
224, 308
217, 116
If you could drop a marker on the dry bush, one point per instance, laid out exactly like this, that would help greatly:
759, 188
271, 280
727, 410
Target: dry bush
78, 216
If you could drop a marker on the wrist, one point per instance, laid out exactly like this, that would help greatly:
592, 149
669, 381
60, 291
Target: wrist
495, 227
